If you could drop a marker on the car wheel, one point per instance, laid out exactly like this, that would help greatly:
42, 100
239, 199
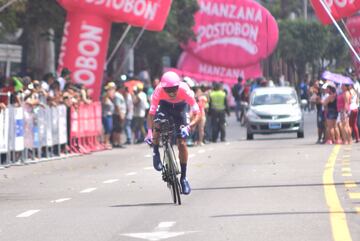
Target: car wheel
249, 136
300, 134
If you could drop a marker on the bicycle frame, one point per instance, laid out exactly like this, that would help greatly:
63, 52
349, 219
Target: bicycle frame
171, 167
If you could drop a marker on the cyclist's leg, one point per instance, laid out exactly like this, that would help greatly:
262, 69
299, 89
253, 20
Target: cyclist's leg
160, 114
180, 120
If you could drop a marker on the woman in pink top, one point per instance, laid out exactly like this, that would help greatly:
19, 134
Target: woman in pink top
354, 109
343, 106
202, 101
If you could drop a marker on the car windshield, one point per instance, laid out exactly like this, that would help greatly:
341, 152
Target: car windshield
274, 99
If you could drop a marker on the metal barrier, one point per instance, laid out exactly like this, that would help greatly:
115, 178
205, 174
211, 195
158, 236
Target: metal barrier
86, 128
33, 134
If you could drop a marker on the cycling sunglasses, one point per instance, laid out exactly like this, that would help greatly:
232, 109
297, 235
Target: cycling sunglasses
171, 89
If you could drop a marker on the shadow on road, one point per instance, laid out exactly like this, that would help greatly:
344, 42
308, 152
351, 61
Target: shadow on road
278, 214
141, 205
269, 186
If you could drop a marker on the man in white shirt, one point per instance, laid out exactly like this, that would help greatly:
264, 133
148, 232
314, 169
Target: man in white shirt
141, 104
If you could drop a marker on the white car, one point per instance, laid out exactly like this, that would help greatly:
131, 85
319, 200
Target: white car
274, 110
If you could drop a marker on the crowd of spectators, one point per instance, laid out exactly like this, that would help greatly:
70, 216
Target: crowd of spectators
337, 109
50, 90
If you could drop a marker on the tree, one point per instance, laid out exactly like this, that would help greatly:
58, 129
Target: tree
154, 45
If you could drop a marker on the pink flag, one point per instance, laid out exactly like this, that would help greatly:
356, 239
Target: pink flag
339, 9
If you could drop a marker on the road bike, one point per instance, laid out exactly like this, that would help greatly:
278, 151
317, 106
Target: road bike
170, 171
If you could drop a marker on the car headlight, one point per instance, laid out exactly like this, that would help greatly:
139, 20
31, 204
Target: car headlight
252, 115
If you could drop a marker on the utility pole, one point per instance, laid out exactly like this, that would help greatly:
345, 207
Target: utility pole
306, 10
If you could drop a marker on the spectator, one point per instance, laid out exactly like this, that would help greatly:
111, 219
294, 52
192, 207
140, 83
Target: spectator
354, 105
129, 113
118, 117
64, 78
108, 109
47, 81
330, 103
202, 101
141, 104
218, 107
343, 107
237, 90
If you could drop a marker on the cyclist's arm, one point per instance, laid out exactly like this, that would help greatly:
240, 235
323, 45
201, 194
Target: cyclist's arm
153, 106
150, 121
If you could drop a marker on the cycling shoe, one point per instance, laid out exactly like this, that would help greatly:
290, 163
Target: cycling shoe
185, 186
157, 161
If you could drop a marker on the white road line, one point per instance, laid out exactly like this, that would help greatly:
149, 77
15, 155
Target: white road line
131, 173
27, 213
88, 190
148, 168
165, 225
148, 156
227, 143
60, 200
110, 181
201, 151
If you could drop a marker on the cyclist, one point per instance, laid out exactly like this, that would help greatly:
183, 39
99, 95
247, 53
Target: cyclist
170, 99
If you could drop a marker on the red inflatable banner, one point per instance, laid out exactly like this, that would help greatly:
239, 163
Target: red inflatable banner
150, 14
87, 31
233, 33
191, 66
353, 25
339, 9
83, 50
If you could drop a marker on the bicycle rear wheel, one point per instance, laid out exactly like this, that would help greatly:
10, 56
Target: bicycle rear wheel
174, 181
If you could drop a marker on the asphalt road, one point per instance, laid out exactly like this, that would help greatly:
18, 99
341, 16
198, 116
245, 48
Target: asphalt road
276, 188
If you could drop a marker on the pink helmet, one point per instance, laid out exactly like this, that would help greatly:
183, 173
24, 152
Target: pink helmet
170, 79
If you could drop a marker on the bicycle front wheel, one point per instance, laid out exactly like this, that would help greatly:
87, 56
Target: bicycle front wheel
174, 181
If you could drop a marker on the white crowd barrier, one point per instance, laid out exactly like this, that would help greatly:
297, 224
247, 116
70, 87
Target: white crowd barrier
30, 134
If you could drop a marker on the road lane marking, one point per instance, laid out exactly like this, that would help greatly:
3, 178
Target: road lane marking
346, 169
110, 181
131, 173
201, 151
148, 168
340, 229
165, 226
148, 156
60, 200
347, 175
88, 190
27, 213
346, 156
350, 184
160, 232
357, 210
354, 195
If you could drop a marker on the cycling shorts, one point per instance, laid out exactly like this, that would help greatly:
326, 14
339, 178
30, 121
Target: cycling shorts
175, 111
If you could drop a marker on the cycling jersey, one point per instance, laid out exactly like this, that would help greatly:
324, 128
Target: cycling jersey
184, 94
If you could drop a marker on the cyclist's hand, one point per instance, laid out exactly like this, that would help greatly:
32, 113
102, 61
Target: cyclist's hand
185, 131
149, 137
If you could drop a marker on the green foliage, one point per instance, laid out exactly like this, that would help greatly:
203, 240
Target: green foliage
10, 18
301, 41
304, 43
154, 45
